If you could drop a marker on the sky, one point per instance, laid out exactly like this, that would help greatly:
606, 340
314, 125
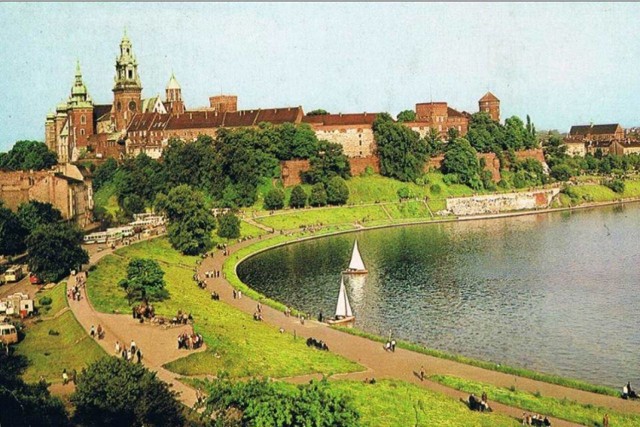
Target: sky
562, 64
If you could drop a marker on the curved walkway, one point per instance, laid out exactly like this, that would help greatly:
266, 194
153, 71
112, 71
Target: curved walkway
401, 364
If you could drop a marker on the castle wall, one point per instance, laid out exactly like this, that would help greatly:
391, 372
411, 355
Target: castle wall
497, 203
356, 141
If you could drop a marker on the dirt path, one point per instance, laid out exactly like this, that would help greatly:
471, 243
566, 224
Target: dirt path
401, 364
158, 344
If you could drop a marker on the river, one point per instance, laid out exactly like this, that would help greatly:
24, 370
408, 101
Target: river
554, 292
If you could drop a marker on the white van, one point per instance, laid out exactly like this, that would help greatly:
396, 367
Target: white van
8, 334
14, 273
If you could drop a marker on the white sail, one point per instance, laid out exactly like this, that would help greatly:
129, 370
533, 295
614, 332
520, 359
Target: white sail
343, 308
356, 263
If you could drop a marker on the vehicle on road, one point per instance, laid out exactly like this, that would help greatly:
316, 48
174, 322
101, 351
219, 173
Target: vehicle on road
34, 280
14, 273
8, 334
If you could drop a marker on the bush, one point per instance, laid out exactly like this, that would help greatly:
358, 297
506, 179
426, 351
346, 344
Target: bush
298, 197
562, 172
451, 178
229, 226
274, 199
435, 189
337, 191
405, 193
571, 192
503, 184
45, 301
368, 171
318, 195
617, 185
53, 332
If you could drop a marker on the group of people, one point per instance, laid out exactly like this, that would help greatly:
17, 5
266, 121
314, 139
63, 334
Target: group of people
96, 333
212, 274
143, 311
481, 404
215, 296
128, 353
319, 344
65, 377
390, 346
257, 315
74, 293
628, 392
534, 420
181, 318
237, 294
189, 341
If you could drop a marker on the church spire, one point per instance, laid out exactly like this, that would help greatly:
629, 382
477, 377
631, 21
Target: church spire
79, 93
127, 66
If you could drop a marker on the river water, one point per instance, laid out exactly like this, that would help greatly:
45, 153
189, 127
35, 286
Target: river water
555, 292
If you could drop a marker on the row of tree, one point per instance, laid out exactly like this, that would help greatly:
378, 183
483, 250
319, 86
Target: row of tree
28, 155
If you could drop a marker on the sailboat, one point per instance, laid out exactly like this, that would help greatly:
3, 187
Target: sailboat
356, 266
343, 308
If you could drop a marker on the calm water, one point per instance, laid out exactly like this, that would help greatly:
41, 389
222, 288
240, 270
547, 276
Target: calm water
556, 293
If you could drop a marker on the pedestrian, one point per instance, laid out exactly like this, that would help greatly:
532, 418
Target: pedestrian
393, 346
234, 294
605, 420
422, 373
132, 347
100, 332
239, 294
74, 376
139, 355
65, 377
118, 348
93, 331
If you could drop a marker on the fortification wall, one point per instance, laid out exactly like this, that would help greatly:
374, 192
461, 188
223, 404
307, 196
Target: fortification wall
497, 203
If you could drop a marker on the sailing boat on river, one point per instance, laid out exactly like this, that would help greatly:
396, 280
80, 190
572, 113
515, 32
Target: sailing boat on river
343, 308
356, 266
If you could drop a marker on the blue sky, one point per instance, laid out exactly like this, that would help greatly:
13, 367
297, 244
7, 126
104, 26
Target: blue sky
563, 64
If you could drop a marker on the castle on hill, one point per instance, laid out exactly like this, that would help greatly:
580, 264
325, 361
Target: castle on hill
130, 125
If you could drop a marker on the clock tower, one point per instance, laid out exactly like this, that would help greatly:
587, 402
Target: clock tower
127, 90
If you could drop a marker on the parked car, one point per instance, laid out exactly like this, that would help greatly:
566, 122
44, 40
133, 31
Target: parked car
35, 280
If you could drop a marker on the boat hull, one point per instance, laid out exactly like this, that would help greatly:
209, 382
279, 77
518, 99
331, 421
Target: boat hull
343, 321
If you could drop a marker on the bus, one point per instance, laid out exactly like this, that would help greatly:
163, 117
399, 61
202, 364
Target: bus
99, 237
14, 273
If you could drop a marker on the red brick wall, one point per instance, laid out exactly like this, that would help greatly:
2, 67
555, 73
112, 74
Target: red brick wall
290, 171
360, 164
533, 154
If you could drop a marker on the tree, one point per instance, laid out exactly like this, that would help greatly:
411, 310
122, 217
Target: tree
33, 214
561, 172
433, 140
104, 173
402, 153
28, 155
485, 134
228, 226
145, 281
337, 191
528, 172
327, 162
114, 392
274, 199
462, 159
12, 233
318, 195
25, 404
406, 116
54, 250
190, 222
298, 197
318, 112
266, 403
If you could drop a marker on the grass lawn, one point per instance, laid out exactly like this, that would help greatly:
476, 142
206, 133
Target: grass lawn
49, 354
569, 410
235, 342
106, 197
390, 403
291, 219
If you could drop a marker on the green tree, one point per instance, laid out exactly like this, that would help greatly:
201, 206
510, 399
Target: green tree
277, 404
104, 173
337, 191
33, 214
28, 155
317, 112
145, 281
318, 195
229, 226
616, 185
406, 116
327, 162
12, 233
485, 134
434, 142
401, 151
528, 172
114, 392
298, 197
274, 199
462, 159
54, 250
25, 404
190, 222
561, 172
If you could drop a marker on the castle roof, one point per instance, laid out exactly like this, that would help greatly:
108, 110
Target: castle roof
173, 83
489, 97
454, 113
584, 130
350, 119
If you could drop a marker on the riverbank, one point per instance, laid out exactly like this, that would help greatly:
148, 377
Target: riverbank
290, 237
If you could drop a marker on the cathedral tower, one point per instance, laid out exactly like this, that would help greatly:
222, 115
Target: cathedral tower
174, 96
127, 90
80, 113
491, 105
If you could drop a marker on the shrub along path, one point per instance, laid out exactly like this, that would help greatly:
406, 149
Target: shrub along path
402, 364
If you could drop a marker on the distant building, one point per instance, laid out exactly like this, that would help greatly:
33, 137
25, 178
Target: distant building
490, 104
440, 117
353, 131
67, 187
583, 139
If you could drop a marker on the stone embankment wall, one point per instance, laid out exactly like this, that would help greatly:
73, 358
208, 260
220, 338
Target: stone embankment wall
498, 203
290, 170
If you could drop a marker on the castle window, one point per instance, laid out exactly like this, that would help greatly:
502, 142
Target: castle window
81, 132
83, 119
130, 74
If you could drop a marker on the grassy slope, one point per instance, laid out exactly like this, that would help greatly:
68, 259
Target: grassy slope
106, 198
391, 403
235, 342
588, 415
49, 354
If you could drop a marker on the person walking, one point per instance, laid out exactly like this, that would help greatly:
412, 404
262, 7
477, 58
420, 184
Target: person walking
605, 420
93, 331
139, 356
65, 377
118, 348
422, 373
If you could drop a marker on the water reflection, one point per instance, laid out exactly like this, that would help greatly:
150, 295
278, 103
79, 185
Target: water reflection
553, 292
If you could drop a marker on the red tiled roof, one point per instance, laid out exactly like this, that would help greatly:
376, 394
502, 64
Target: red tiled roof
454, 113
583, 130
489, 97
341, 119
212, 119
